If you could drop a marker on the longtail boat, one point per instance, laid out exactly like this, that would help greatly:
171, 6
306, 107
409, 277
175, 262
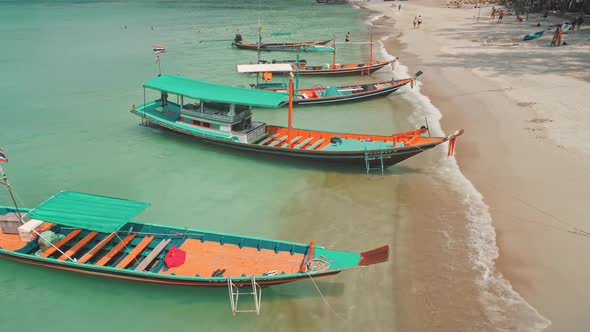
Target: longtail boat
314, 46
330, 2
345, 93
337, 69
96, 235
325, 94
342, 69
287, 46
222, 115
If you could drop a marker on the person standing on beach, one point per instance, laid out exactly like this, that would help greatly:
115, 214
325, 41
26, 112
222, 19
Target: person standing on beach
500, 16
419, 20
399, 8
559, 36
555, 41
580, 20
415, 21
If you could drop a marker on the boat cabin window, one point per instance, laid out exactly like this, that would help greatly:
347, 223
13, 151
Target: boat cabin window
242, 125
191, 104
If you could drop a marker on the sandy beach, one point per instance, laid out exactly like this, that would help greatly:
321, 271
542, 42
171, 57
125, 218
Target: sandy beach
524, 110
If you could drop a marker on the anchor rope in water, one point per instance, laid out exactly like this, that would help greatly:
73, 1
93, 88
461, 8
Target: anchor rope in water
323, 298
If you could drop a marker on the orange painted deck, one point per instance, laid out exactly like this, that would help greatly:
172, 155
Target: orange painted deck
204, 258
13, 241
303, 139
10, 241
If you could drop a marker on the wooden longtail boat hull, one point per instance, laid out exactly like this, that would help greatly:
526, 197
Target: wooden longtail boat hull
390, 156
222, 115
294, 46
344, 70
314, 96
130, 276
240, 257
363, 70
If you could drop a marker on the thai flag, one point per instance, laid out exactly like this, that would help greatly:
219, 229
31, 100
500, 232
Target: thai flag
3, 158
159, 50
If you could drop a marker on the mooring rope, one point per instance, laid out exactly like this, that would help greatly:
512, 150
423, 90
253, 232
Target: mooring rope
323, 298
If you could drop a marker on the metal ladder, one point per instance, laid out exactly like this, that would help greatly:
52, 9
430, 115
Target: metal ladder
369, 158
234, 294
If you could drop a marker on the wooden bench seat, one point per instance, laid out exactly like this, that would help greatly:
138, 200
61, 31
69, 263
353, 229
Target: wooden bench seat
302, 143
275, 142
314, 145
73, 250
135, 252
96, 248
152, 255
267, 139
291, 141
109, 255
49, 251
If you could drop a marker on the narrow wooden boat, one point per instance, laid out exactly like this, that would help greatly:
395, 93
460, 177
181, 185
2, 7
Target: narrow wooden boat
331, 2
339, 94
348, 69
336, 69
304, 46
342, 69
96, 235
222, 115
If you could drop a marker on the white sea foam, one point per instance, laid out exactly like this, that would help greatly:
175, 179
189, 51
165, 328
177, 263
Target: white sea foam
505, 308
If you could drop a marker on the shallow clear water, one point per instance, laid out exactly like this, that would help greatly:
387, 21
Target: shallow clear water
70, 73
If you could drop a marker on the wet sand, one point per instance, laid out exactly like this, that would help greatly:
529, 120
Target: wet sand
524, 150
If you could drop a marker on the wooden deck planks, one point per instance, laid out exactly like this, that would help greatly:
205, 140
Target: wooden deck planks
73, 250
135, 252
267, 139
277, 141
315, 144
49, 251
302, 143
152, 255
96, 248
109, 255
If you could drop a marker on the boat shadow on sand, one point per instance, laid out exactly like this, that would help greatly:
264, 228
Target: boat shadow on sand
282, 161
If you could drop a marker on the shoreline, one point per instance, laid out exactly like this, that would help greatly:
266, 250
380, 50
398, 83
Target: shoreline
507, 152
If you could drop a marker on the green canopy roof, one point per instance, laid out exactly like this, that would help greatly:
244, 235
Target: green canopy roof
86, 211
206, 91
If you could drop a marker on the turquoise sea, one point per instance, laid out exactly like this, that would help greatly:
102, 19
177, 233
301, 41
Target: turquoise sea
71, 71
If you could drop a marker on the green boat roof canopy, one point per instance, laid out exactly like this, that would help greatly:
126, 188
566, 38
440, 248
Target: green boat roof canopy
86, 211
206, 91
